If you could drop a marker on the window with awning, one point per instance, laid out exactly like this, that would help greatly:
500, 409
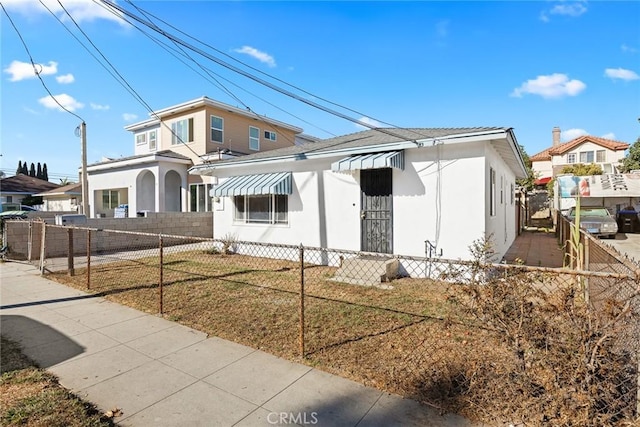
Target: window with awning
250, 185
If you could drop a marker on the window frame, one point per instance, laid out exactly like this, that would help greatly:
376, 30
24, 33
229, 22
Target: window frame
109, 196
270, 135
178, 127
586, 156
492, 192
571, 158
153, 140
199, 193
277, 211
254, 138
213, 129
603, 158
141, 138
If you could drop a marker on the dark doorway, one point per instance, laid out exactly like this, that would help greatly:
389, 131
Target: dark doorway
376, 229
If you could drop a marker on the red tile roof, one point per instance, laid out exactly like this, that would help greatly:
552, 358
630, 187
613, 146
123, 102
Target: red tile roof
563, 148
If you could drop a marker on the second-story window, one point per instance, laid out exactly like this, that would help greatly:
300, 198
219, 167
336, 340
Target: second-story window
141, 138
153, 140
254, 138
601, 156
270, 135
586, 157
217, 128
182, 131
571, 158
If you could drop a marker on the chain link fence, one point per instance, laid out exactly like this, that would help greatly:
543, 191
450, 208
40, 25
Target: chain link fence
496, 343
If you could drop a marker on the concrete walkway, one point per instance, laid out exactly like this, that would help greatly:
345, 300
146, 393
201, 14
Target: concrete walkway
536, 249
160, 373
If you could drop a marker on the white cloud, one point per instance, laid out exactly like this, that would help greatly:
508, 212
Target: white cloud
572, 9
65, 79
63, 99
80, 10
554, 85
368, 121
25, 70
99, 107
627, 48
259, 55
609, 135
569, 134
621, 73
128, 117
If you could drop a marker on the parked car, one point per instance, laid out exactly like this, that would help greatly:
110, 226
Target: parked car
596, 221
16, 207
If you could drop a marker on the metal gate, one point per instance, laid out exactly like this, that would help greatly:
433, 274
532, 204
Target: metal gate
376, 225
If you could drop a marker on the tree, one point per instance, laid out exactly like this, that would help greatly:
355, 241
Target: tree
528, 182
32, 170
19, 170
25, 170
39, 171
45, 173
632, 160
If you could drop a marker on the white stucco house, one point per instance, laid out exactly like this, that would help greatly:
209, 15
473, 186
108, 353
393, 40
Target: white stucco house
395, 191
67, 198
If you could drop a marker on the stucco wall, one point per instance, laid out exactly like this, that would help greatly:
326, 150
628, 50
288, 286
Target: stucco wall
194, 224
440, 197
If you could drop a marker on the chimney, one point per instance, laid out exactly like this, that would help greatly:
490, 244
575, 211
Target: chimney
556, 136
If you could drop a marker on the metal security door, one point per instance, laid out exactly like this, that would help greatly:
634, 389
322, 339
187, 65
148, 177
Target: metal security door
376, 211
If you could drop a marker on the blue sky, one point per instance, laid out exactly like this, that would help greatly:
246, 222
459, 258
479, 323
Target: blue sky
526, 65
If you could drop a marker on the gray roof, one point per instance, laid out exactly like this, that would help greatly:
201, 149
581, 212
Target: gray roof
371, 137
163, 153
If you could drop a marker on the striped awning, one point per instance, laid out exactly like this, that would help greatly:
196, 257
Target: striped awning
248, 185
389, 159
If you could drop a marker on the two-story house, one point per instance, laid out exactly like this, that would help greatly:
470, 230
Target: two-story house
585, 149
199, 131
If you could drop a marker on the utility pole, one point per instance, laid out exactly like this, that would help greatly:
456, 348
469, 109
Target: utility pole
85, 181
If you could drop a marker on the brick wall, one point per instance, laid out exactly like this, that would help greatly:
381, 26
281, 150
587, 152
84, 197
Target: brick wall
192, 224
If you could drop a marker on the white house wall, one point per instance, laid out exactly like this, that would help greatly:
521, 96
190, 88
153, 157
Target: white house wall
109, 179
501, 227
451, 218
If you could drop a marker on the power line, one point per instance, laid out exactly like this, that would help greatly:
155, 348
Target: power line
120, 79
33, 64
249, 75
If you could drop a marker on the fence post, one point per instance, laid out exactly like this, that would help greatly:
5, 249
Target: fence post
585, 279
161, 308
302, 350
43, 250
88, 259
70, 269
29, 241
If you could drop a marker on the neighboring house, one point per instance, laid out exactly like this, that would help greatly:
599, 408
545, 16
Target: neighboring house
155, 178
15, 188
62, 199
397, 191
585, 149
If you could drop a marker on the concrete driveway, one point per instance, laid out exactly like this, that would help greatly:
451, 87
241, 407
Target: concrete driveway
627, 243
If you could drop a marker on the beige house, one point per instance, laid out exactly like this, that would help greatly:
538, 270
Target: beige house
67, 198
200, 131
585, 149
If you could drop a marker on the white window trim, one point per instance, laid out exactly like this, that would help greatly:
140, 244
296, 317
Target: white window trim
492, 192
270, 135
141, 138
175, 139
254, 138
571, 156
211, 128
242, 219
155, 140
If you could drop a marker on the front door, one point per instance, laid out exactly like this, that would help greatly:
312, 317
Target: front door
376, 229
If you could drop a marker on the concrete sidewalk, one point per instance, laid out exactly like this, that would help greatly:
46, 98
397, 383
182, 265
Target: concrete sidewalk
160, 373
